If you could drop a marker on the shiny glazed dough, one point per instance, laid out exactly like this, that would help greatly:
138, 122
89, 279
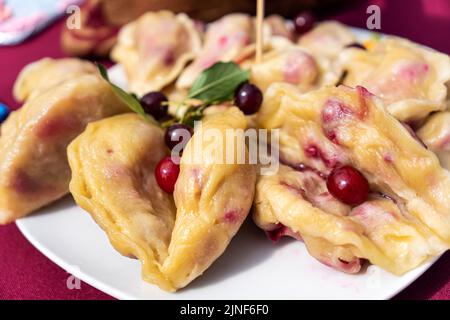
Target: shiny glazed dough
33, 162
113, 164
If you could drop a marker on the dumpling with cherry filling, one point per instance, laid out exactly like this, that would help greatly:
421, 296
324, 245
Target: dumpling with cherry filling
226, 39
327, 39
34, 170
155, 48
176, 238
410, 78
294, 65
404, 219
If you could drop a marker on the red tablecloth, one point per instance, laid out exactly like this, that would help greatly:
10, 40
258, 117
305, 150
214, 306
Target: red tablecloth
27, 274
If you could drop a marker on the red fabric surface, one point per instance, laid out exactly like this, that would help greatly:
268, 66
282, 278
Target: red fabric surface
27, 274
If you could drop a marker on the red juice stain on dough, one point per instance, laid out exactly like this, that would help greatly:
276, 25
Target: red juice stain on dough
299, 67
223, 41
414, 71
313, 151
231, 216
169, 58
23, 183
332, 113
56, 126
279, 230
364, 94
387, 157
275, 234
335, 110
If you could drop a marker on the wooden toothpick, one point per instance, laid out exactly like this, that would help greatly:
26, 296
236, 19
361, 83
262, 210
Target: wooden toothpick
259, 29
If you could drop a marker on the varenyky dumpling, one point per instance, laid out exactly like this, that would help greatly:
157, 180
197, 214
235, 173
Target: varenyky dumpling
113, 165
225, 40
435, 133
33, 162
404, 222
43, 74
155, 48
411, 79
295, 65
327, 39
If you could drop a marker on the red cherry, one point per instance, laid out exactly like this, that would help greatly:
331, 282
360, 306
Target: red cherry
304, 22
248, 98
348, 185
166, 174
177, 134
154, 104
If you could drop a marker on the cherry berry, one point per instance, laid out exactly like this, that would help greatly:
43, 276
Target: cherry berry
348, 185
166, 174
248, 98
177, 134
304, 22
154, 104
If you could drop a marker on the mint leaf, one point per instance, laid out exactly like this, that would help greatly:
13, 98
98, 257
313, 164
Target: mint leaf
129, 99
218, 83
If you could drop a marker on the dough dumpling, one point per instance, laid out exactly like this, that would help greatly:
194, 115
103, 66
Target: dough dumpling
435, 133
409, 78
404, 222
327, 39
293, 65
155, 48
33, 162
225, 40
176, 238
43, 74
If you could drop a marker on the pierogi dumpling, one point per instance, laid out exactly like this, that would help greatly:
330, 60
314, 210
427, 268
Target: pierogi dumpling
113, 163
411, 79
43, 74
155, 48
33, 162
435, 133
294, 65
327, 39
225, 40
177, 238
405, 220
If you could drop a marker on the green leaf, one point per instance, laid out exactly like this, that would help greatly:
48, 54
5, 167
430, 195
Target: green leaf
129, 99
103, 71
218, 83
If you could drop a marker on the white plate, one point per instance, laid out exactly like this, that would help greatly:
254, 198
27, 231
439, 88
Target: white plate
251, 268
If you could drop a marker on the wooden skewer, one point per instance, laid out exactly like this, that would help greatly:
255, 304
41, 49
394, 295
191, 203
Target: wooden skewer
259, 29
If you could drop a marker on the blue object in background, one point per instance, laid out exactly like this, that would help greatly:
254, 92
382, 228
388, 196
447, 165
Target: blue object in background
4, 112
